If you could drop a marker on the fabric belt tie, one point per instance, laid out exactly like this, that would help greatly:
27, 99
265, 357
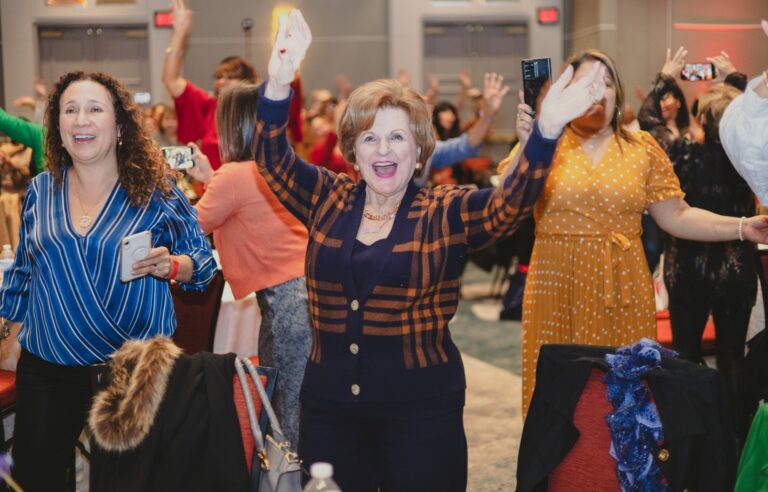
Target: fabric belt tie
622, 243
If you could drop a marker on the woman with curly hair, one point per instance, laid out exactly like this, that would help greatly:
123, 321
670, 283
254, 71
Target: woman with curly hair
106, 181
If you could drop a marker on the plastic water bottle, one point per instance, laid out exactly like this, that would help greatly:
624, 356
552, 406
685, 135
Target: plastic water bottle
321, 478
6, 257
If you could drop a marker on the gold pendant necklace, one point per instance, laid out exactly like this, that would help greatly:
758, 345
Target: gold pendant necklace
85, 220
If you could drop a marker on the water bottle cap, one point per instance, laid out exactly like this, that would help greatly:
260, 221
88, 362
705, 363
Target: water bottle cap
321, 470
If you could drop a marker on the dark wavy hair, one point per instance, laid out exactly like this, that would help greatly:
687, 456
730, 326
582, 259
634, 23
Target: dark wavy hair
445, 133
140, 165
669, 86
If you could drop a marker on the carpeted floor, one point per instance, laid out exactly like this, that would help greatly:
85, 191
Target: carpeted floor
491, 352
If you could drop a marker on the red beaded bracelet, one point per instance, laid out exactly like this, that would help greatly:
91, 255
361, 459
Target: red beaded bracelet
174, 268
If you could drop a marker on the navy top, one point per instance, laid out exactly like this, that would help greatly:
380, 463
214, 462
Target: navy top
65, 288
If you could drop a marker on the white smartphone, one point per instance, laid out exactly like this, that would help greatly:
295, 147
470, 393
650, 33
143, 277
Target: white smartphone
132, 249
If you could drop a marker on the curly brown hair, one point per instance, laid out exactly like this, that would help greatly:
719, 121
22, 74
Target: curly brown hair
140, 165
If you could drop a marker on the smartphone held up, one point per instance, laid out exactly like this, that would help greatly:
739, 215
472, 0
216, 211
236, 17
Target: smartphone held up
179, 157
698, 71
537, 74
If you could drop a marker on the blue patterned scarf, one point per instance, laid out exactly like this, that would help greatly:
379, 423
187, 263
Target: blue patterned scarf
634, 423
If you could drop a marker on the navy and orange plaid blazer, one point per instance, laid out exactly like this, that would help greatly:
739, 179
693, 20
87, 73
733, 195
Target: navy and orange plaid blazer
390, 341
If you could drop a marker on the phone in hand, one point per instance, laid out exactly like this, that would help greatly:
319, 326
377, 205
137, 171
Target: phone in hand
537, 73
178, 157
698, 71
132, 249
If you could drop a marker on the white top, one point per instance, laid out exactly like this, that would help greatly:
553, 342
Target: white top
744, 134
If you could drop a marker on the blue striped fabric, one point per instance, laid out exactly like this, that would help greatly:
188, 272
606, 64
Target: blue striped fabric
66, 288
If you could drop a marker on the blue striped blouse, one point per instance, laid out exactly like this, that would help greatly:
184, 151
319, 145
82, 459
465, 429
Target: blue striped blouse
66, 288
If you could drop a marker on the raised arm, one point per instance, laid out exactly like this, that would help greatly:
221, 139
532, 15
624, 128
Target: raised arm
493, 213
174, 53
298, 185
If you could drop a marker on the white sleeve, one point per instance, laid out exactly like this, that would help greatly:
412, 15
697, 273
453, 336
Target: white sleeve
744, 135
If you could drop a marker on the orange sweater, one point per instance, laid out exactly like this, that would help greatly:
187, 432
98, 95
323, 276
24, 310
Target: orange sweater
260, 243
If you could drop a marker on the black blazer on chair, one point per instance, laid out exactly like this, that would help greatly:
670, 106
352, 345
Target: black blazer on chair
699, 452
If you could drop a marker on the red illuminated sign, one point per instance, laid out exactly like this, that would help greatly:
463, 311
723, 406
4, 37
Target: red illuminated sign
548, 15
163, 18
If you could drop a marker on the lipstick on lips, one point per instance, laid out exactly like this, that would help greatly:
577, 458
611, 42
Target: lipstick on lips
384, 169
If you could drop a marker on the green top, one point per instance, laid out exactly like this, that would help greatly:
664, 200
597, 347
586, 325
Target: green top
25, 132
753, 466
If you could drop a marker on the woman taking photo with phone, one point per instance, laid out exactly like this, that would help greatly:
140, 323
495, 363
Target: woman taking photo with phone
107, 181
261, 247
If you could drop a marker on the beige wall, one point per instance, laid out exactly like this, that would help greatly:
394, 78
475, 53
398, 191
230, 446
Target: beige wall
349, 37
637, 34
407, 19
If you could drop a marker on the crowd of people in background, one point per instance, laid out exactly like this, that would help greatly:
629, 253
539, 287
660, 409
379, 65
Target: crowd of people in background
352, 223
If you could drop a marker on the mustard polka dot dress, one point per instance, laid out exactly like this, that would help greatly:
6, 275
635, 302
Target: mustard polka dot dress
588, 281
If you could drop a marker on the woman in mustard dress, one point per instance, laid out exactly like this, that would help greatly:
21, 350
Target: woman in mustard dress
588, 281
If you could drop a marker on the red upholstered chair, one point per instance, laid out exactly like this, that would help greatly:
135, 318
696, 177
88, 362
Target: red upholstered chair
196, 315
7, 404
268, 376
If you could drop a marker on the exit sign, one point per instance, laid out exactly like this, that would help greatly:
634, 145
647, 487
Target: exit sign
163, 18
548, 16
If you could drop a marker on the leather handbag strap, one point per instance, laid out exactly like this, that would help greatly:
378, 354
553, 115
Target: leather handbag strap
255, 429
265, 403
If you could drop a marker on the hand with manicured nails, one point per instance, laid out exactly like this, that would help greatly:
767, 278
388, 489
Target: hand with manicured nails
568, 99
293, 39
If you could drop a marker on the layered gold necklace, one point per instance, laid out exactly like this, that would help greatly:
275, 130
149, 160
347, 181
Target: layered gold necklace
383, 218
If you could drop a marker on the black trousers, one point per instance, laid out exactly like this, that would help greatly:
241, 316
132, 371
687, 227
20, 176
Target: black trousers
52, 403
689, 308
370, 454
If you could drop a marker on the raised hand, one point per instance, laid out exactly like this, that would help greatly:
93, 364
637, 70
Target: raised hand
674, 64
722, 63
567, 99
524, 125
494, 91
182, 17
202, 170
293, 39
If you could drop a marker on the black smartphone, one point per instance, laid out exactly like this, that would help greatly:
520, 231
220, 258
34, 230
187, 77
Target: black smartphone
179, 157
537, 72
698, 71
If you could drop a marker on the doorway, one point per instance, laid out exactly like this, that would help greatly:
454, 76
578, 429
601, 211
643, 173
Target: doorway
121, 51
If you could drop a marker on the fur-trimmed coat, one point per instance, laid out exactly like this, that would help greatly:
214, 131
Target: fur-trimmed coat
167, 422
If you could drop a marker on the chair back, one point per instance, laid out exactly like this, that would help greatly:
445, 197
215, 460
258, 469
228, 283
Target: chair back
196, 315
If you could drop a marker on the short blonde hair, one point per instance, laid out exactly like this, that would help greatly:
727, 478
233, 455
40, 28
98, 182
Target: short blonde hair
712, 106
367, 99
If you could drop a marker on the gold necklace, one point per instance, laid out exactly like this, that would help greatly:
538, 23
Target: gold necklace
377, 217
375, 230
85, 220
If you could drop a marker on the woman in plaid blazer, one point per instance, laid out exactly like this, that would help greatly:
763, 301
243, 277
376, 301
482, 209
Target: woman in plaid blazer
383, 392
